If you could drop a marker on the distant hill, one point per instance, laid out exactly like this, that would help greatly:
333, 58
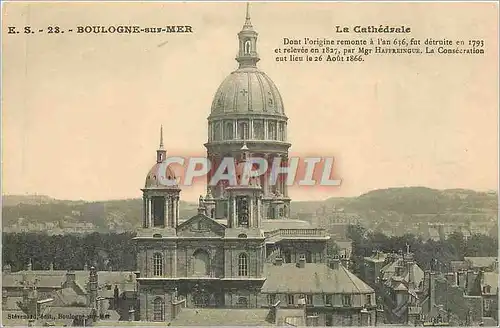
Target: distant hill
421, 200
42, 209
399, 204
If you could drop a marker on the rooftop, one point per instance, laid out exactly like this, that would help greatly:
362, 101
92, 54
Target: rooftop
312, 278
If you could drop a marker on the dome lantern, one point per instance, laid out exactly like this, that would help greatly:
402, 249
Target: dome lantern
247, 55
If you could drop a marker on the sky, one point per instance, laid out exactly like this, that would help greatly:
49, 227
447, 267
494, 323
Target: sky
81, 113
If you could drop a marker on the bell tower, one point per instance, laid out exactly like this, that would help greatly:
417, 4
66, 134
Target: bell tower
245, 197
161, 193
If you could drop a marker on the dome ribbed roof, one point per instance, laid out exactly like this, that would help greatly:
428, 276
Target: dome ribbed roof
247, 90
155, 175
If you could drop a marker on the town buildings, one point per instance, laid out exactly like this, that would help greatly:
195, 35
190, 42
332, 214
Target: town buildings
466, 295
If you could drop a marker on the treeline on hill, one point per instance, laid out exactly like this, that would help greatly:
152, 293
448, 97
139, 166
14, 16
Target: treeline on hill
454, 248
69, 252
117, 251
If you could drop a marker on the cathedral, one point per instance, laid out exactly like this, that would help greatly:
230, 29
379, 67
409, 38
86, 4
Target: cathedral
222, 257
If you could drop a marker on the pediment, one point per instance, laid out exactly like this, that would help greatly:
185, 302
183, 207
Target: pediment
200, 226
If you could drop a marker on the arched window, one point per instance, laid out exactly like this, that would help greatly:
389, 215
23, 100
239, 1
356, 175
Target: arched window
272, 130
247, 47
258, 129
228, 131
201, 263
157, 265
243, 130
242, 265
218, 132
280, 132
158, 310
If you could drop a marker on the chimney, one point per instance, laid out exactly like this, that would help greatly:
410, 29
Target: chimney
93, 286
334, 263
462, 278
379, 313
70, 277
278, 261
29, 267
345, 261
86, 267
471, 277
7, 268
411, 276
51, 267
432, 292
302, 262
365, 317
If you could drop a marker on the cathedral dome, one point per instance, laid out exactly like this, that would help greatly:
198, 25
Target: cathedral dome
160, 172
155, 177
247, 90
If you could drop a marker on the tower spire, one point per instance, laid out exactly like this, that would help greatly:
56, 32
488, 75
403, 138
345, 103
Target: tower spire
161, 153
248, 22
247, 54
161, 137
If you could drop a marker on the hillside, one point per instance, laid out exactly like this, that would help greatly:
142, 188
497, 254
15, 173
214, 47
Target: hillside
394, 204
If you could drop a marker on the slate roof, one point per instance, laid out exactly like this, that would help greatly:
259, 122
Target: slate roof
458, 265
480, 262
11, 304
389, 271
56, 278
271, 225
67, 297
221, 317
313, 278
379, 257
